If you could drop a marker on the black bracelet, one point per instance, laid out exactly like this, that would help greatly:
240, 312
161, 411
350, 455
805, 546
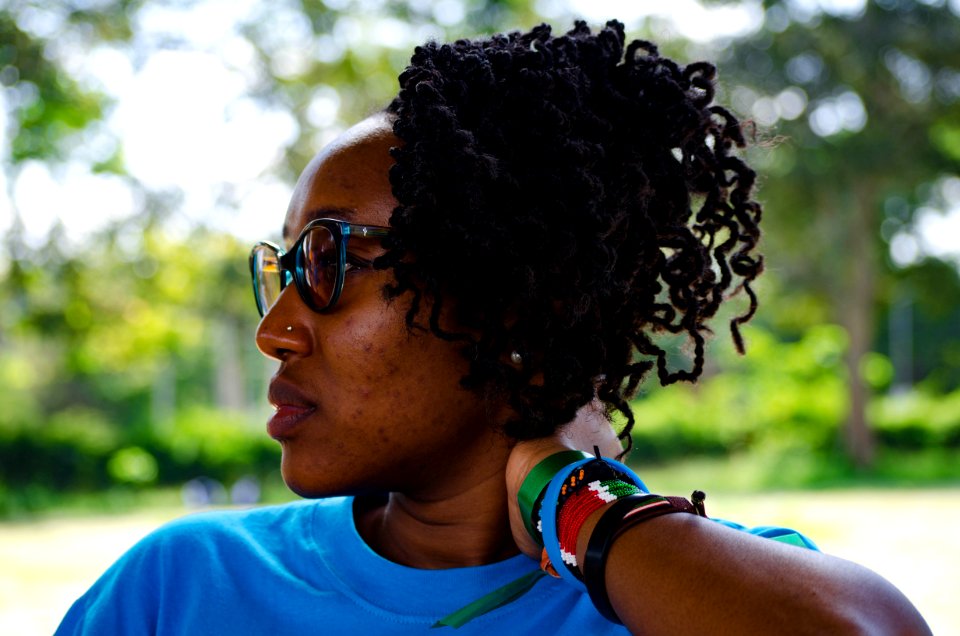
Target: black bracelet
620, 516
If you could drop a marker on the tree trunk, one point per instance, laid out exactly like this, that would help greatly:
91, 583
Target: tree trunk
856, 310
228, 371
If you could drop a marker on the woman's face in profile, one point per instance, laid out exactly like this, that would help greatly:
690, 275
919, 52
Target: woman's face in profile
364, 404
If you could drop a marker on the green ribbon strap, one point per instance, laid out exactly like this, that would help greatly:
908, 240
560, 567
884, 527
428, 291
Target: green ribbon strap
532, 486
497, 598
537, 480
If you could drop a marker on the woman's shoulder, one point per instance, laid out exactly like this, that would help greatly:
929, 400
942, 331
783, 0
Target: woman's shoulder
234, 520
213, 535
174, 568
249, 525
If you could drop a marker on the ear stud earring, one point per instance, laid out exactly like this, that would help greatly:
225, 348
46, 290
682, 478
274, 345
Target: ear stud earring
289, 328
516, 358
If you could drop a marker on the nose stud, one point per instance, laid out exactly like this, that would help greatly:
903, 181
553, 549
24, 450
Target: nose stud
289, 328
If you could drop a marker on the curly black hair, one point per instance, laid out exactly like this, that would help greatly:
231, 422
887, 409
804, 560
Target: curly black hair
546, 190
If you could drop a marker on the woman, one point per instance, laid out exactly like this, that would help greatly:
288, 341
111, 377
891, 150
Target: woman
475, 279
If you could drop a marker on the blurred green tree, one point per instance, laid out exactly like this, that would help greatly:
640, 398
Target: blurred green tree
879, 89
110, 344
115, 347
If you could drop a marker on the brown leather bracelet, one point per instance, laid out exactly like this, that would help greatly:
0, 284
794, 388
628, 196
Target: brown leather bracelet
621, 515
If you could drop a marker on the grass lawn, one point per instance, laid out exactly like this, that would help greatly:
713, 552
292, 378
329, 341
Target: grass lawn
907, 535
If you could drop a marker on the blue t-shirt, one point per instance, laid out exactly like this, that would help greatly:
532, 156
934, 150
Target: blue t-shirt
303, 568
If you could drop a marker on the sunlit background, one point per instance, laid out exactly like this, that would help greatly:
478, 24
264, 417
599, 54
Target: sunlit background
146, 145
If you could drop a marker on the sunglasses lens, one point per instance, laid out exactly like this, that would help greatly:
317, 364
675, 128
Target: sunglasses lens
319, 261
266, 277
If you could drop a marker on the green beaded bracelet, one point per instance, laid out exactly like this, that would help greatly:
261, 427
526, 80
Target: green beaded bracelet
538, 479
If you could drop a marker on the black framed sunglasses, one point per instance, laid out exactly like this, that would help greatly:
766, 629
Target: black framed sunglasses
317, 263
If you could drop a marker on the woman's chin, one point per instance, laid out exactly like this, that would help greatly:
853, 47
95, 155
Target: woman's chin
309, 482
302, 482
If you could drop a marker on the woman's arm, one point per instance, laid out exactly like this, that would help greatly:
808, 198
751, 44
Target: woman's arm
682, 574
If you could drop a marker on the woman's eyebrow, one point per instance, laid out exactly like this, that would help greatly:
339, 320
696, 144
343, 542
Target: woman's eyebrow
343, 214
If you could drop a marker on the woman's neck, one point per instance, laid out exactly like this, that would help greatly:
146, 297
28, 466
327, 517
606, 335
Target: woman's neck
453, 527
461, 518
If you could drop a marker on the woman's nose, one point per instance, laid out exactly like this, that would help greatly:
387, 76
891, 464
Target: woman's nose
284, 330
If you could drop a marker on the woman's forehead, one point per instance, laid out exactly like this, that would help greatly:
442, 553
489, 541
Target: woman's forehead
294, 223
348, 180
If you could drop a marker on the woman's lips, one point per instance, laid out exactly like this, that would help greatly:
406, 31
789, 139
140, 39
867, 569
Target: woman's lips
285, 420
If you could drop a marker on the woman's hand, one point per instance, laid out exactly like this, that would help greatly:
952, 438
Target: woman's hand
590, 428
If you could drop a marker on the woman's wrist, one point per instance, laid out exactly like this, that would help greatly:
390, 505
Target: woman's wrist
572, 494
595, 543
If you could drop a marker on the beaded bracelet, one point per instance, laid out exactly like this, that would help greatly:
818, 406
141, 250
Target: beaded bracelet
535, 484
578, 507
599, 470
593, 473
548, 517
623, 514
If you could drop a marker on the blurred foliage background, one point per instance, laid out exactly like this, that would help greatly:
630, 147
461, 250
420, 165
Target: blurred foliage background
126, 321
